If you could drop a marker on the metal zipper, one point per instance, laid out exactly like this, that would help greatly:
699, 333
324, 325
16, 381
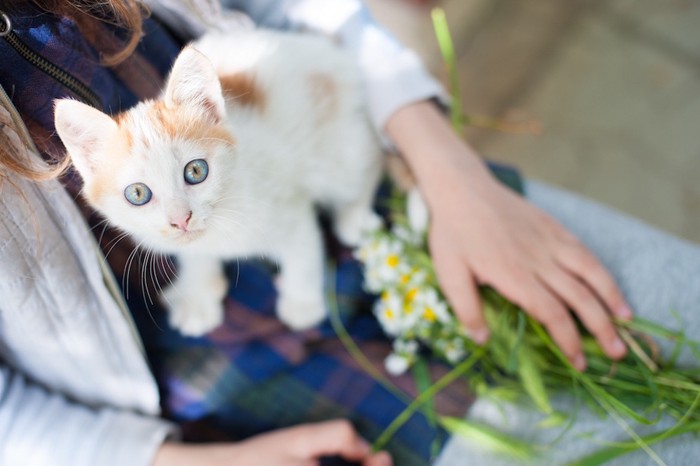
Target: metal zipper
76, 87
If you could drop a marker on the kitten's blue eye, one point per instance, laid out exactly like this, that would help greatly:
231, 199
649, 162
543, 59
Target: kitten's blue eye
138, 193
196, 171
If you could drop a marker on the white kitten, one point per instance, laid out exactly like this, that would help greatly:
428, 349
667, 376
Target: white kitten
252, 131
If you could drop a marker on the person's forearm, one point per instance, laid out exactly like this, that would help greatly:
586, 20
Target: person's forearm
439, 159
180, 454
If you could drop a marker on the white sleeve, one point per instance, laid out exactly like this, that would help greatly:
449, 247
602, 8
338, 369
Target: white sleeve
394, 75
41, 428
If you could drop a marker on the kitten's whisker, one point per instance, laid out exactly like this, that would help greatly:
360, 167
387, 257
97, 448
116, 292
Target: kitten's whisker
171, 266
99, 224
115, 241
171, 269
142, 280
153, 272
127, 273
150, 255
156, 282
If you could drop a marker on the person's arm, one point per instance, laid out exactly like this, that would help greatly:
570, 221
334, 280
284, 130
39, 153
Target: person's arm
40, 427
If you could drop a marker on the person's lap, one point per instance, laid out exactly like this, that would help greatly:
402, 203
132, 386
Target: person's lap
660, 276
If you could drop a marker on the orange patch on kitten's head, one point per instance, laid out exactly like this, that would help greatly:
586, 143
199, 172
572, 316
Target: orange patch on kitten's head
244, 90
180, 123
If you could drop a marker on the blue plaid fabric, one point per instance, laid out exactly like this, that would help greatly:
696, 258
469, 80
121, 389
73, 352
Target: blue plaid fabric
252, 374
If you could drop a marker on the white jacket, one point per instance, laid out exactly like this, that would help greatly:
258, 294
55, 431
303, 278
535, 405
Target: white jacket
75, 388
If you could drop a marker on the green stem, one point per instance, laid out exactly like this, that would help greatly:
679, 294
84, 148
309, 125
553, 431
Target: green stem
461, 369
442, 33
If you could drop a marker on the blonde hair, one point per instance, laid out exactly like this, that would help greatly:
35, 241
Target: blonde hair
126, 14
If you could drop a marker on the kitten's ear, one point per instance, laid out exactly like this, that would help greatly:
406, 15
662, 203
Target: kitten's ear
83, 130
193, 82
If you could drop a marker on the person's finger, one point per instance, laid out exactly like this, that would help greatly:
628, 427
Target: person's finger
582, 263
587, 307
459, 288
380, 458
536, 299
330, 438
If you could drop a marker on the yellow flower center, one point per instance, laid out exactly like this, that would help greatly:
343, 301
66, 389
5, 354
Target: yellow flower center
429, 315
411, 295
392, 260
389, 314
405, 278
408, 300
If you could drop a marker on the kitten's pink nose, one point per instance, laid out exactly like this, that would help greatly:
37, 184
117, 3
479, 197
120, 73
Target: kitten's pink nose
181, 221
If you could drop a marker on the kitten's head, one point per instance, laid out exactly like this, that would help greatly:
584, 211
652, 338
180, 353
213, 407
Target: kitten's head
156, 171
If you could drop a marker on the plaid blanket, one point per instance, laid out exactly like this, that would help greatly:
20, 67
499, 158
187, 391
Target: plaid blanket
252, 374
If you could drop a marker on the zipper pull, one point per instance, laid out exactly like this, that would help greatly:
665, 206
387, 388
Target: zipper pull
5, 24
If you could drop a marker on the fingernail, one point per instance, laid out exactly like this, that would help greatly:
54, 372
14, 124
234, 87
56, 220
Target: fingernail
580, 362
624, 312
383, 459
617, 347
364, 446
480, 336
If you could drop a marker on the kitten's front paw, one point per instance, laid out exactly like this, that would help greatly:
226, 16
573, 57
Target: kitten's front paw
351, 225
301, 313
194, 313
196, 319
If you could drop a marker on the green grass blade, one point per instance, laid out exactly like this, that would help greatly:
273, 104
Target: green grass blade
461, 369
513, 359
421, 375
607, 454
531, 377
489, 438
442, 33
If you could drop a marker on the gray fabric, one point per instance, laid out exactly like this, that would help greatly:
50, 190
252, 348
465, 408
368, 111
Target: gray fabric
658, 274
39, 427
63, 336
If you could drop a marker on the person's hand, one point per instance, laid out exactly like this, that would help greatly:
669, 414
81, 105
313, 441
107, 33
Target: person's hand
483, 234
302, 445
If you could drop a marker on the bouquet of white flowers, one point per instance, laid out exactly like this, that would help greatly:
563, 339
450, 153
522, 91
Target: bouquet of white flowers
520, 358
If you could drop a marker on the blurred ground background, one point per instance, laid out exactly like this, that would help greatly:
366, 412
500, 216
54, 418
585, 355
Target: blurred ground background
615, 87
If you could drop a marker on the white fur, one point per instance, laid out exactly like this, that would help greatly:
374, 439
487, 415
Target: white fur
260, 194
